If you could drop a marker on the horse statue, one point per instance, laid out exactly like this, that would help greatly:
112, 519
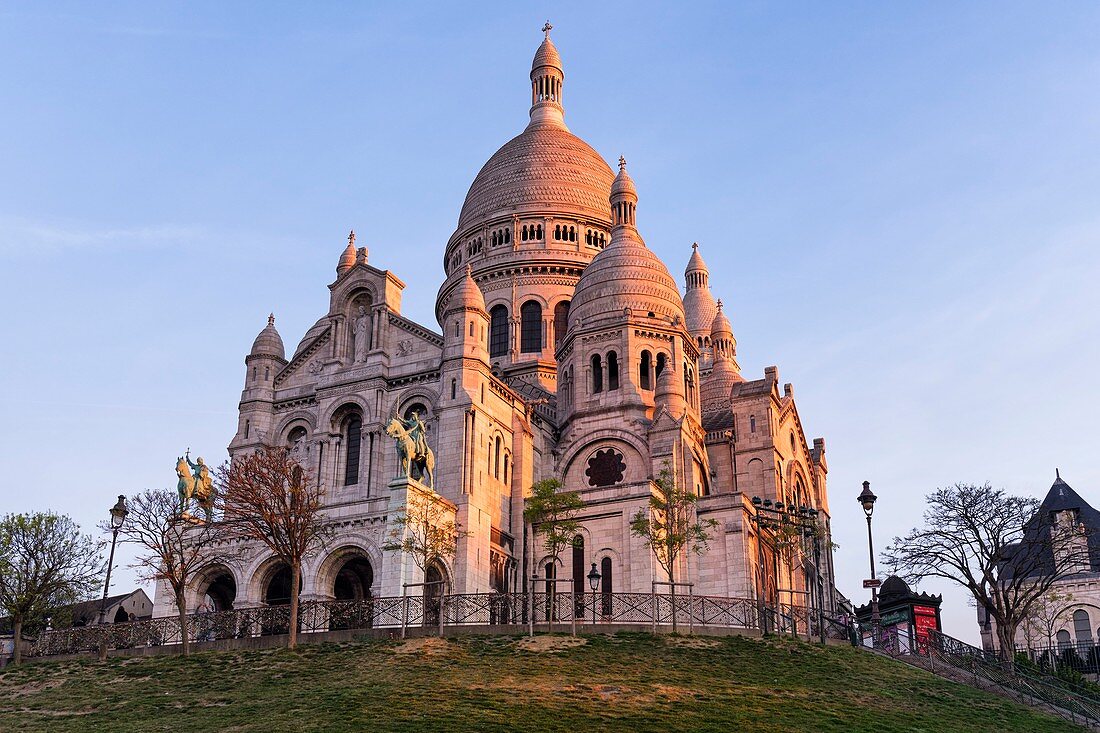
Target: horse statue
198, 487
412, 448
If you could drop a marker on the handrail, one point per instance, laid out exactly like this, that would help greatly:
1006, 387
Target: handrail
449, 611
1038, 688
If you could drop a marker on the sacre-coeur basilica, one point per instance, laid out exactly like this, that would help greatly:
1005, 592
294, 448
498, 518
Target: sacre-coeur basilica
563, 348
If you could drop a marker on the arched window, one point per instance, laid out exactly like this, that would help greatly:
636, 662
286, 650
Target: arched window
660, 364
612, 370
538, 232
296, 442
530, 329
1082, 627
454, 388
496, 458
561, 322
1064, 641
597, 374
353, 435
752, 423
578, 573
498, 330
607, 585
572, 234
507, 467
643, 370
557, 232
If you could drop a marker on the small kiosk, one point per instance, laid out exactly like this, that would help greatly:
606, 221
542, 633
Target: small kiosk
904, 616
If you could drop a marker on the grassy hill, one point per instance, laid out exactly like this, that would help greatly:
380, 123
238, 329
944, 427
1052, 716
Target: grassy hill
630, 682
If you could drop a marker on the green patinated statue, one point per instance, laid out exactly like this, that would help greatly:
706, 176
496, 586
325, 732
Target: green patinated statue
198, 487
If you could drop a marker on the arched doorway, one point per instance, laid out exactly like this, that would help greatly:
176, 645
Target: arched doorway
220, 594
434, 587
276, 595
352, 588
353, 580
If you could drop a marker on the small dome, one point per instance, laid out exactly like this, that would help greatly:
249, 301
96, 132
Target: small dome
314, 331
714, 393
546, 55
269, 342
720, 326
670, 392
695, 263
347, 259
623, 185
467, 295
625, 275
699, 304
894, 587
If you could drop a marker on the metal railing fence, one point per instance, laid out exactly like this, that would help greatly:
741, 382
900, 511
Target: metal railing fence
516, 610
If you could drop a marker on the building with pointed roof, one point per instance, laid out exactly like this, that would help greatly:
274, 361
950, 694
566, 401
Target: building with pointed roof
1068, 615
564, 348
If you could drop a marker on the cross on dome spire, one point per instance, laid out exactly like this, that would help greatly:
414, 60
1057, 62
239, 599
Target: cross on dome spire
271, 319
719, 305
546, 29
622, 162
351, 237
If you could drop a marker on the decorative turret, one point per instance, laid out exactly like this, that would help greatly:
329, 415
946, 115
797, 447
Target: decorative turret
670, 393
347, 259
698, 302
466, 322
547, 78
725, 372
268, 342
624, 200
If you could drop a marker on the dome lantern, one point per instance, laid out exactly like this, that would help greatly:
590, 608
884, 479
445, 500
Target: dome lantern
624, 198
547, 79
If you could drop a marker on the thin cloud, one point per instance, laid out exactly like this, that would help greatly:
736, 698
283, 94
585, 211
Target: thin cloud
19, 237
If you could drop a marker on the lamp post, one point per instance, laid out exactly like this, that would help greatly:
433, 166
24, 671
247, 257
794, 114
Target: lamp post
118, 518
791, 521
594, 583
867, 499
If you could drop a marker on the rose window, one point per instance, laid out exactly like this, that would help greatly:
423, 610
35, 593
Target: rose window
605, 468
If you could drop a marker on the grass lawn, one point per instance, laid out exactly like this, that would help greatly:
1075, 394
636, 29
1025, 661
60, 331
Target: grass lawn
628, 682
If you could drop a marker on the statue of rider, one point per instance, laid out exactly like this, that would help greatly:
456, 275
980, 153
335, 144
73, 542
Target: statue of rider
203, 482
418, 433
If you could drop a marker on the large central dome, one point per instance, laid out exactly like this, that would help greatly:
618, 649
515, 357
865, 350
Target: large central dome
544, 169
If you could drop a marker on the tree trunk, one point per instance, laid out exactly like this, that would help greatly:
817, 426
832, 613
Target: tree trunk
295, 578
185, 636
672, 585
17, 628
1006, 634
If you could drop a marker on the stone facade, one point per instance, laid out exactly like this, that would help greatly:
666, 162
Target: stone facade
1068, 615
565, 350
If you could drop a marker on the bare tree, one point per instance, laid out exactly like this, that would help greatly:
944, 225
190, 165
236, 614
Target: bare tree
171, 548
426, 531
669, 527
270, 499
552, 513
996, 546
1046, 612
45, 562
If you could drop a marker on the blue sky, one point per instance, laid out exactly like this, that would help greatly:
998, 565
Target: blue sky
898, 203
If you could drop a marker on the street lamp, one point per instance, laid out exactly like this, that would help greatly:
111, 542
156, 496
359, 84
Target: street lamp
594, 583
118, 518
867, 500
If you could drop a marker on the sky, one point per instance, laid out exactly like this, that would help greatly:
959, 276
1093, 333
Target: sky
898, 203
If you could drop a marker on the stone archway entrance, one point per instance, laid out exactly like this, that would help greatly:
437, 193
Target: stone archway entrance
435, 580
221, 593
276, 595
352, 588
353, 580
